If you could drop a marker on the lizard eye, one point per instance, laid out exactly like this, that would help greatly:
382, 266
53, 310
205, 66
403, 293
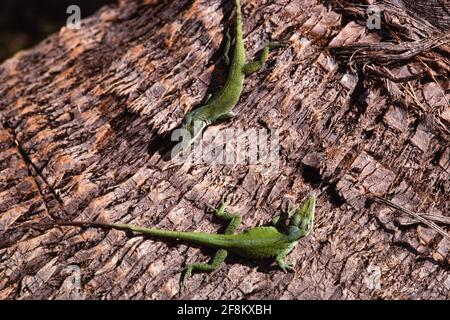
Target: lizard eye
306, 227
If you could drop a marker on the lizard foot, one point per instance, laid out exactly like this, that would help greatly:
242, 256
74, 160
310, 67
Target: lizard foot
283, 264
287, 267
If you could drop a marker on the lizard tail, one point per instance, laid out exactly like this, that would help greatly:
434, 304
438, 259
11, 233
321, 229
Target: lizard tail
119, 226
239, 31
200, 238
83, 224
238, 8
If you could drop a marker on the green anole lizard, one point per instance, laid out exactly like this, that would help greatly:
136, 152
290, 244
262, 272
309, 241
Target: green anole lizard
219, 107
255, 243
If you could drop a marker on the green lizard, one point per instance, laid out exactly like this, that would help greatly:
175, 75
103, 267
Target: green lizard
219, 107
255, 243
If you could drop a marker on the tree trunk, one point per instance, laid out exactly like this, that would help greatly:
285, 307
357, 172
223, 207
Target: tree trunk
86, 116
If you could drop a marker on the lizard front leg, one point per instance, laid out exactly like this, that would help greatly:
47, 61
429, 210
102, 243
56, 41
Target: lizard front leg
281, 260
279, 221
225, 116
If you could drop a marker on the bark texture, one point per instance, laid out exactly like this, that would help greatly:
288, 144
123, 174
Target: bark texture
84, 116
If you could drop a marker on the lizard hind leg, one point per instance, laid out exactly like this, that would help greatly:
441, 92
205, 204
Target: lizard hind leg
226, 51
218, 259
235, 219
221, 254
256, 65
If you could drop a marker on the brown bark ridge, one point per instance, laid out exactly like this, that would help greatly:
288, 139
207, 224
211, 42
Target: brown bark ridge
84, 114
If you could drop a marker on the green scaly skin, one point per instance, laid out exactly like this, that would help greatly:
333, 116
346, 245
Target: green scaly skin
256, 243
219, 107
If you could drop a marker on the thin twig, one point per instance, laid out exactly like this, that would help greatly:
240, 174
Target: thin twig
432, 217
431, 224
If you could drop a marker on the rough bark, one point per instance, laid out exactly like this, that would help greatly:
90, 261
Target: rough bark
437, 12
84, 116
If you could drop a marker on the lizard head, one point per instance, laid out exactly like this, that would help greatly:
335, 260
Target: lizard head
302, 221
